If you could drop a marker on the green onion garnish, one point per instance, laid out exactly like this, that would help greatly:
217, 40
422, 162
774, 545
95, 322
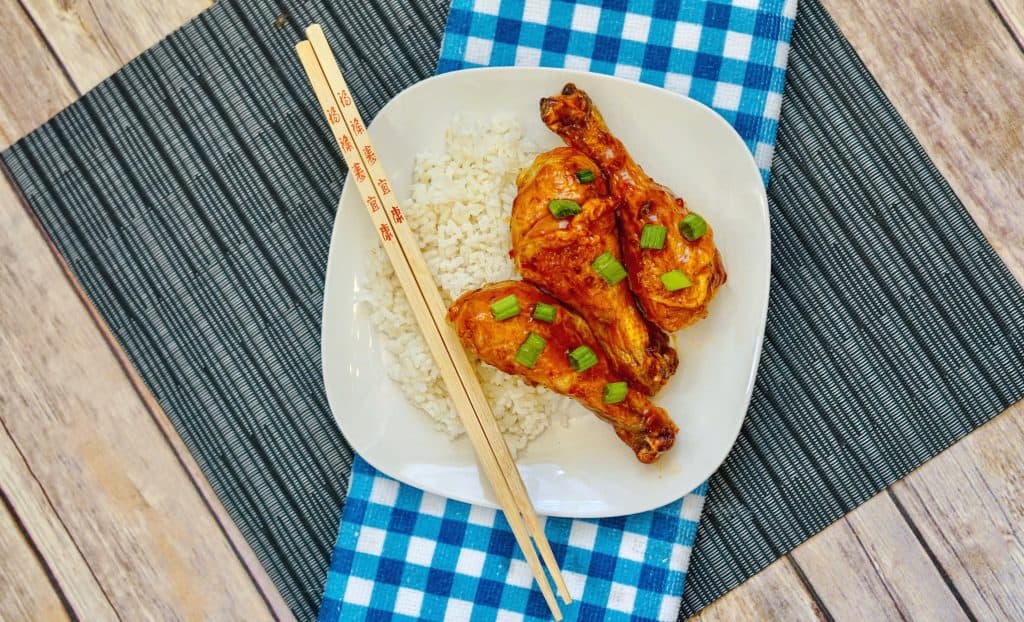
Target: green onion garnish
675, 280
529, 352
582, 358
585, 176
563, 208
609, 268
652, 236
544, 313
505, 308
693, 226
615, 392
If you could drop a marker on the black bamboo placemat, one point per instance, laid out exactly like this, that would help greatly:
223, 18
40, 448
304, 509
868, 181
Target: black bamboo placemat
193, 195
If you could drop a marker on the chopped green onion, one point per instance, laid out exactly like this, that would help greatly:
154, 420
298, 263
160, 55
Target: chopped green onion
675, 280
563, 208
529, 352
582, 358
585, 176
609, 268
544, 313
615, 392
652, 236
505, 308
693, 226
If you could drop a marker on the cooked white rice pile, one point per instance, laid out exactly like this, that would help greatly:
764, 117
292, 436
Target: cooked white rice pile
459, 209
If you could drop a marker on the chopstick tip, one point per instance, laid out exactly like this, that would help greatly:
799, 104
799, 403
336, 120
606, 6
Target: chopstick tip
313, 30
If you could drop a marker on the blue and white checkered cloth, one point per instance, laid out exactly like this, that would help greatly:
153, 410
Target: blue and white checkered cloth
409, 555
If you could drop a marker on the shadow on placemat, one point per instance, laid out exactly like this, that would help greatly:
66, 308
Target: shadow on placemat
193, 195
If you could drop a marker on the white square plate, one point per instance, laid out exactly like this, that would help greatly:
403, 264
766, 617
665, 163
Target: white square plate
581, 470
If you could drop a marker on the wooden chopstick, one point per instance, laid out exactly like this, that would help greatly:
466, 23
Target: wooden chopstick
415, 278
463, 366
431, 323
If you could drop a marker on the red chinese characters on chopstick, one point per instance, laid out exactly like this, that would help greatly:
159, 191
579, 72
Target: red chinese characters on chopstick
358, 171
357, 126
368, 153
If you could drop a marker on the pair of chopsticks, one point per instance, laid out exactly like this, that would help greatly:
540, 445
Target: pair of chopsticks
404, 252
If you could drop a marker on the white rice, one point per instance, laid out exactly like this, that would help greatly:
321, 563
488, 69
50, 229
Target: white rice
459, 209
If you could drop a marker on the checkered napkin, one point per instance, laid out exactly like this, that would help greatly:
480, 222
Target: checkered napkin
405, 554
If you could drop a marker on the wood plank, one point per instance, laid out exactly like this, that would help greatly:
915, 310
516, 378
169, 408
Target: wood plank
149, 28
234, 537
1012, 13
870, 566
968, 505
24, 105
94, 38
775, 593
29, 502
25, 593
767, 589
106, 467
147, 525
954, 73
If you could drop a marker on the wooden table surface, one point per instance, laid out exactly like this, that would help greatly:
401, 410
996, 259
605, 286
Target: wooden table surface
106, 516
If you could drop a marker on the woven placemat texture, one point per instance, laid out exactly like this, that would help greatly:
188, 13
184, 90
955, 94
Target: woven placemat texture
193, 195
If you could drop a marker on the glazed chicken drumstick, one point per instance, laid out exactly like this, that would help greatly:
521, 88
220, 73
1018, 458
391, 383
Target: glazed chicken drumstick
675, 282
557, 249
557, 349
